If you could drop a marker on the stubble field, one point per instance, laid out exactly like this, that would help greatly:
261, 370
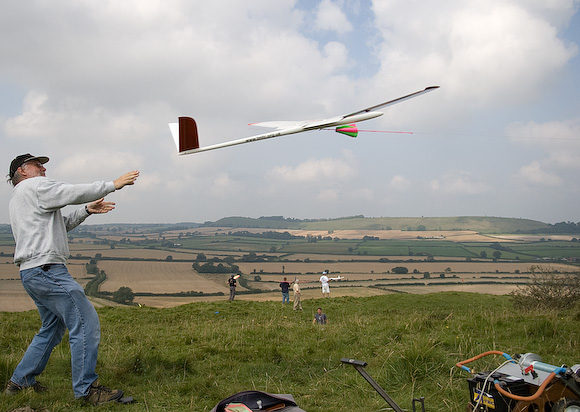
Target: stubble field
160, 272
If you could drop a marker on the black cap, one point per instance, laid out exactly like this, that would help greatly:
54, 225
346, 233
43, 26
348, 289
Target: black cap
20, 160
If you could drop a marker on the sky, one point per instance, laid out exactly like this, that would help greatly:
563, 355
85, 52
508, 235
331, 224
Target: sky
93, 85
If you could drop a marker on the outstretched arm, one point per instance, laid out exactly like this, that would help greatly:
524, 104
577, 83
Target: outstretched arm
127, 179
100, 206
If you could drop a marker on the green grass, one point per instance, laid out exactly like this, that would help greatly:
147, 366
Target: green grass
552, 249
384, 247
191, 357
392, 247
478, 223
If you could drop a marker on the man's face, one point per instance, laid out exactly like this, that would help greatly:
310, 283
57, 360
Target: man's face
319, 311
32, 169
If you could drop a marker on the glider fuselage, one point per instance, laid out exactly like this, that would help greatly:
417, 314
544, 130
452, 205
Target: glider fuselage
187, 140
306, 126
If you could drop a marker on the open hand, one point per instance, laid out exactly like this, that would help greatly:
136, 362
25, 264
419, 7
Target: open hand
127, 179
100, 206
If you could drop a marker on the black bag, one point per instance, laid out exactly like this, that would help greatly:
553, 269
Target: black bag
260, 402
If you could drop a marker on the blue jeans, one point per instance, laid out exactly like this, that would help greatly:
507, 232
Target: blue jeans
285, 297
62, 305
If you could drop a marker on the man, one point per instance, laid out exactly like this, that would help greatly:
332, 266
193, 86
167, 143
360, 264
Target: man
324, 282
285, 286
297, 303
40, 231
232, 283
319, 317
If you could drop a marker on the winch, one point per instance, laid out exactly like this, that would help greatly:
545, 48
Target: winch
523, 383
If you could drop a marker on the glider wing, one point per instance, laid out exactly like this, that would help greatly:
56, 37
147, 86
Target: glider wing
187, 140
394, 101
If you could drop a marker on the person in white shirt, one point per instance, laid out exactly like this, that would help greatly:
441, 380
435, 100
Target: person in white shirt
297, 303
324, 282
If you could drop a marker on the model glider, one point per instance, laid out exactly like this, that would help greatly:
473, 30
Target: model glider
187, 140
337, 278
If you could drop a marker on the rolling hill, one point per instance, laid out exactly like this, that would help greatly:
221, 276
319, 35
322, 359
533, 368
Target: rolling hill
483, 224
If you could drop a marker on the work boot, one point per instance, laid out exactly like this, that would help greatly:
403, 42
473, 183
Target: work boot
99, 394
13, 389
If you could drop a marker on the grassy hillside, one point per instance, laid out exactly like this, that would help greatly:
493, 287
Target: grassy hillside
190, 357
475, 223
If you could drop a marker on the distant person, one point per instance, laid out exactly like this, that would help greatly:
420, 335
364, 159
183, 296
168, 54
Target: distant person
319, 317
296, 289
285, 286
324, 282
232, 283
40, 231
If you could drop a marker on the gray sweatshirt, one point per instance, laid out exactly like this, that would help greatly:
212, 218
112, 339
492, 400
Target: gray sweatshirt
38, 226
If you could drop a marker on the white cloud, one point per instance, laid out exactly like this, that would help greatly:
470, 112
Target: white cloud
485, 53
72, 121
330, 17
336, 56
364, 194
535, 174
553, 134
320, 171
460, 183
101, 81
328, 195
224, 187
565, 160
559, 142
399, 183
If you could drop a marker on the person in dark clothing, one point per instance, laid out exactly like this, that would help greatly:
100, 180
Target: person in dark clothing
320, 317
285, 286
232, 283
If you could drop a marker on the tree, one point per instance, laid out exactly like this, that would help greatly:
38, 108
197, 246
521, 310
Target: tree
124, 295
400, 270
250, 257
483, 254
496, 255
229, 260
548, 289
92, 268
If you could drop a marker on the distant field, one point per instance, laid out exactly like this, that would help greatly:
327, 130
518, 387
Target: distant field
174, 277
456, 235
161, 263
378, 267
144, 253
10, 270
131, 253
158, 277
13, 297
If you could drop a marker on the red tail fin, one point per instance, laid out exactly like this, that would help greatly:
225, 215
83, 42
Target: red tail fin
188, 138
